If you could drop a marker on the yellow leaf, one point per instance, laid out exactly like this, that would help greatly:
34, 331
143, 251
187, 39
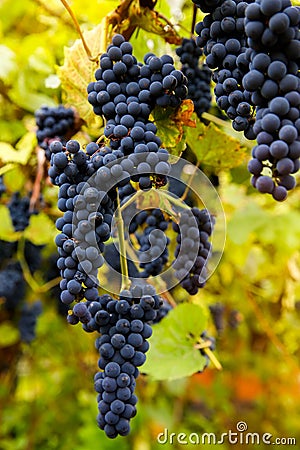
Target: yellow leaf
214, 148
24, 147
41, 230
78, 71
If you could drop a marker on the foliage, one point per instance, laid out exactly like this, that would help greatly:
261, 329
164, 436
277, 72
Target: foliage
46, 390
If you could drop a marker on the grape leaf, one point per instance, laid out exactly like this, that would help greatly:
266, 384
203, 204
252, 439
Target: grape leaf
245, 221
215, 148
7, 232
172, 126
24, 147
172, 351
41, 229
78, 71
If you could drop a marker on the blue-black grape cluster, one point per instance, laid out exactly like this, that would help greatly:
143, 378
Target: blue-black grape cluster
194, 249
217, 311
212, 346
163, 311
87, 197
13, 306
272, 29
153, 251
124, 329
198, 77
125, 92
82, 221
112, 258
53, 123
223, 318
51, 271
12, 292
13, 289
28, 320
222, 37
19, 211
2, 186
12, 285
92, 183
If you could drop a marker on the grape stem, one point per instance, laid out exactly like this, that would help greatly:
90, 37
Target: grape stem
122, 246
176, 201
216, 120
195, 9
204, 345
188, 185
76, 24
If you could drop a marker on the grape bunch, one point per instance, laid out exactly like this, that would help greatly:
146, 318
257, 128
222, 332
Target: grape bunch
125, 92
87, 196
124, 329
112, 258
272, 28
153, 251
53, 123
12, 282
222, 37
163, 311
217, 311
194, 227
19, 211
198, 76
28, 320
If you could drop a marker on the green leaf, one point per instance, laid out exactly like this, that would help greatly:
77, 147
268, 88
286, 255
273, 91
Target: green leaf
172, 351
22, 94
41, 230
7, 232
9, 334
78, 71
14, 177
172, 126
246, 221
215, 148
274, 231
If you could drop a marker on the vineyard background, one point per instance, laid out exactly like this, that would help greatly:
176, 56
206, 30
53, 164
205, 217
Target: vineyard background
47, 399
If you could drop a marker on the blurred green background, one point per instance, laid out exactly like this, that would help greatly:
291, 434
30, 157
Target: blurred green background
47, 401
